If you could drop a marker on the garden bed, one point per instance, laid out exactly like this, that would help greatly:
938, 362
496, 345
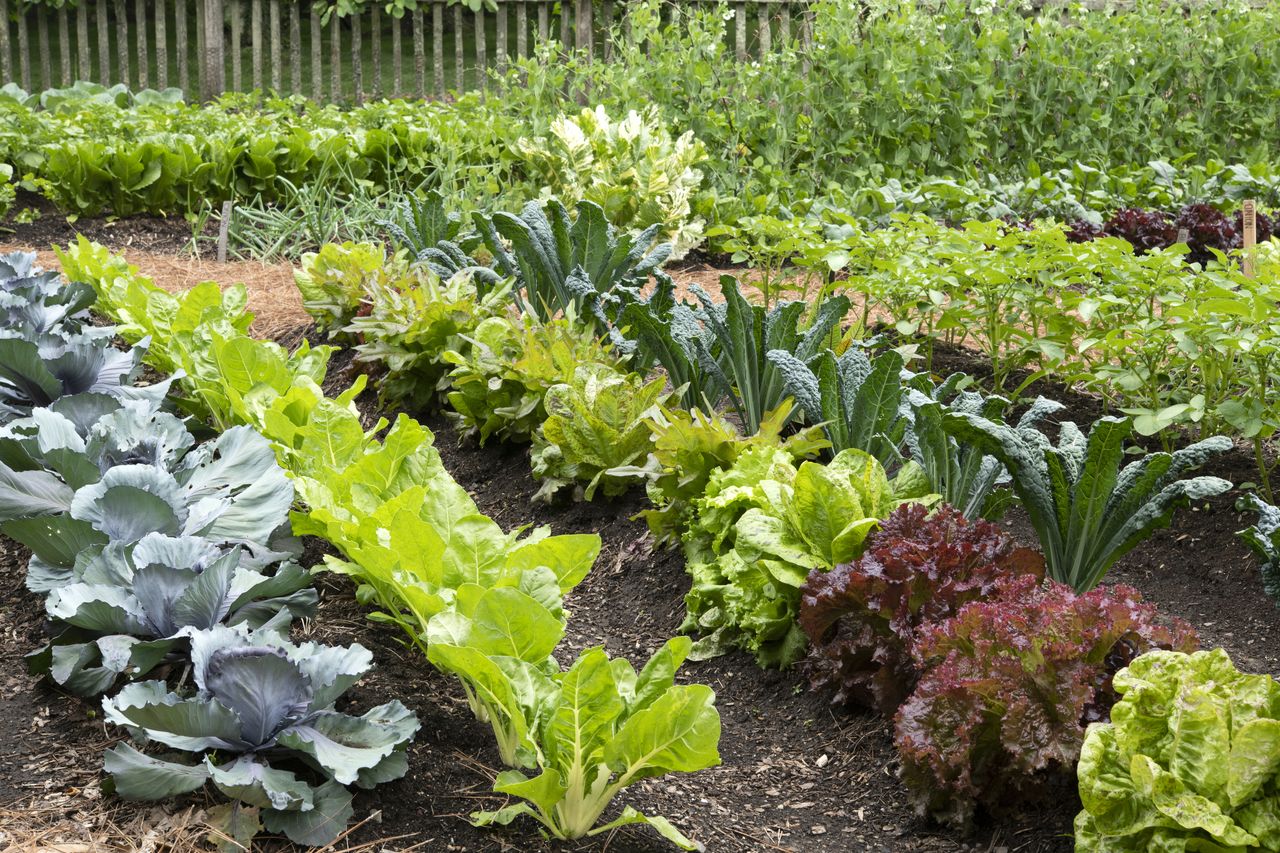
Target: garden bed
796, 775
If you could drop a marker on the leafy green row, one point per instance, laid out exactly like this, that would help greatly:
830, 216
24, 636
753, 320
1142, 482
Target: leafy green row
156, 553
483, 604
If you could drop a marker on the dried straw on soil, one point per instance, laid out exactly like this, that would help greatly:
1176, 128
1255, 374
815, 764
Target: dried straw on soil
273, 297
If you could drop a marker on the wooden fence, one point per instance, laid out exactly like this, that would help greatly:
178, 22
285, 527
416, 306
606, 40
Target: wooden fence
207, 47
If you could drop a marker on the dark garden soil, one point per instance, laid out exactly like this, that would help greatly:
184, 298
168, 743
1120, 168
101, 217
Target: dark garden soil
796, 774
50, 227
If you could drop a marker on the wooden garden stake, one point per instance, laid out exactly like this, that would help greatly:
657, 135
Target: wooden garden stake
223, 227
1249, 213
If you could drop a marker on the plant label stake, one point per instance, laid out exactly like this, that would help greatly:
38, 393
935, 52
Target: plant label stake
1183, 235
223, 227
1249, 213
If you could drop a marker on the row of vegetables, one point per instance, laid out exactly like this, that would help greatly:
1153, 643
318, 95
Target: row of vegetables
994, 673
909, 607
160, 554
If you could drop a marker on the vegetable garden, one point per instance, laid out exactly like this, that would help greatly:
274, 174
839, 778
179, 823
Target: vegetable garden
712, 467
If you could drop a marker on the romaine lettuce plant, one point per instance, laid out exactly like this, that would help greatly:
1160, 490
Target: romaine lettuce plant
128, 605
862, 618
260, 724
1007, 687
501, 374
1189, 761
810, 518
1088, 511
333, 280
413, 319
688, 447
596, 430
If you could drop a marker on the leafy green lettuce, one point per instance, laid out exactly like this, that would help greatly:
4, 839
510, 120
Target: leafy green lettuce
763, 526
1189, 761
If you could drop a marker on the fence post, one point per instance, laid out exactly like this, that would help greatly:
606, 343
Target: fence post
140, 42
212, 72
584, 34
64, 45
122, 41
420, 49
277, 66
295, 48
375, 53
237, 25
162, 45
4, 40
180, 11
317, 35
104, 44
357, 67
24, 48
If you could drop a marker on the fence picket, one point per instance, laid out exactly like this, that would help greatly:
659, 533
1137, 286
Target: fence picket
162, 45
5, 67
606, 27
397, 57
85, 71
784, 26
64, 47
764, 29
522, 30
140, 41
544, 22
277, 72
566, 34
104, 46
335, 58
255, 40
317, 34
459, 68
357, 61
180, 11
437, 52
295, 47
24, 49
482, 51
122, 41
500, 37
375, 55
42, 28
237, 26
419, 50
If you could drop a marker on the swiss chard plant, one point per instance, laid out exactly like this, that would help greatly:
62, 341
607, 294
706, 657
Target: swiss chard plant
1189, 761
1086, 509
632, 167
91, 470
862, 618
1008, 686
785, 523
129, 604
574, 738
262, 729
596, 431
